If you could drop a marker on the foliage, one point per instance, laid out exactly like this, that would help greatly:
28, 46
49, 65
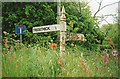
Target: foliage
29, 14
79, 19
37, 58
110, 31
10, 38
36, 61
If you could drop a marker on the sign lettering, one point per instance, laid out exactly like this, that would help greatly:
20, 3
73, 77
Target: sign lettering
41, 29
48, 28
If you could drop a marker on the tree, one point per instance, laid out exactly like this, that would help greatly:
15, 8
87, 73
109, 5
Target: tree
80, 20
101, 8
111, 32
29, 14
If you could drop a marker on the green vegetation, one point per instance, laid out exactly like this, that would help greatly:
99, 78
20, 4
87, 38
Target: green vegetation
79, 20
110, 31
35, 57
31, 15
42, 62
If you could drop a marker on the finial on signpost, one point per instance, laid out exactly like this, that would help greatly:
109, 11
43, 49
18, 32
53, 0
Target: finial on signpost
63, 17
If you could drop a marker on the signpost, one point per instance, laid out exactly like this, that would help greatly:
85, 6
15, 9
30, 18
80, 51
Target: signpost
48, 28
20, 30
74, 36
64, 36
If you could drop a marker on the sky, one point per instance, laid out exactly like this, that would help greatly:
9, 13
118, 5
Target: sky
108, 10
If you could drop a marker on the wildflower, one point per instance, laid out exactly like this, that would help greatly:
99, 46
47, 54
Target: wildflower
105, 51
14, 40
14, 35
53, 45
72, 45
105, 58
18, 40
114, 53
5, 40
4, 32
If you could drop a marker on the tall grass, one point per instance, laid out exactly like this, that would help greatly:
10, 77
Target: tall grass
43, 62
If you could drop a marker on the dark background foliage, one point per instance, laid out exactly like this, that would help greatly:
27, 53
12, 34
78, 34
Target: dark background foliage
32, 14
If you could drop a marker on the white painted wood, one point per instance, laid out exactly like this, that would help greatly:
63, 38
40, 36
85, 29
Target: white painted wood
62, 43
62, 32
74, 36
47, 28
63, 26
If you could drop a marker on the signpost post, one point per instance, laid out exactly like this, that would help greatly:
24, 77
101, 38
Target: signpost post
62, 31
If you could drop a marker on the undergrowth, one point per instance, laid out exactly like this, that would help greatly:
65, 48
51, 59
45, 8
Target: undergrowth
34, 61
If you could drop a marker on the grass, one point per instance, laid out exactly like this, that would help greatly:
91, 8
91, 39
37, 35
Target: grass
43, 62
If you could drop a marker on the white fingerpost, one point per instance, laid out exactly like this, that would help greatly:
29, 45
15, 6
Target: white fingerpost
62, 31
61, 26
